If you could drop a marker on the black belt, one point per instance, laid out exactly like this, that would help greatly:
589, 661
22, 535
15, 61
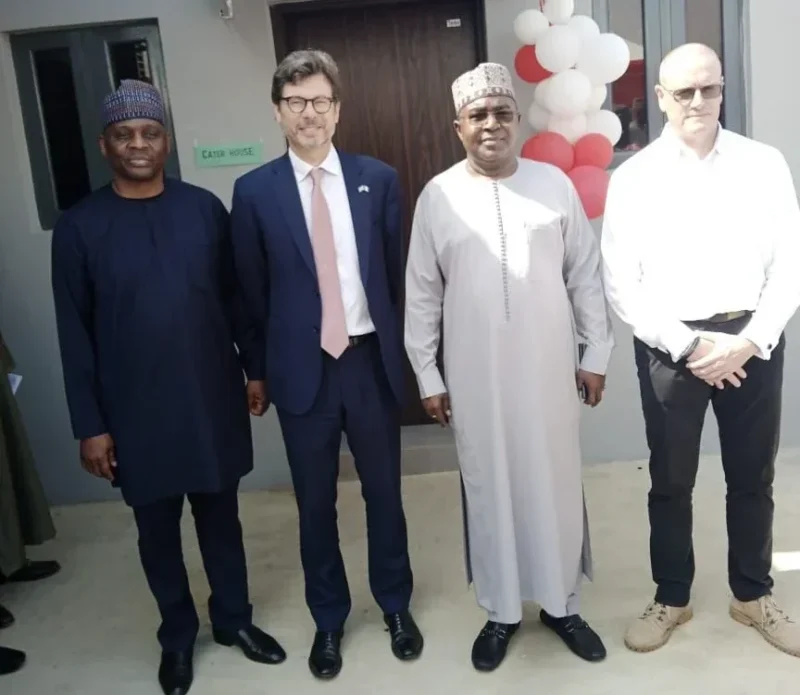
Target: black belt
356, 340
723, 317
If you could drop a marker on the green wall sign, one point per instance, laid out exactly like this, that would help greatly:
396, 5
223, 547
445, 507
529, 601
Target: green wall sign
238, 154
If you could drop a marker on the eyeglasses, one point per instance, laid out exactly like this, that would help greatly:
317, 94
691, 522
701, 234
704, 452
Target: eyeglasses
686, 95
298, 104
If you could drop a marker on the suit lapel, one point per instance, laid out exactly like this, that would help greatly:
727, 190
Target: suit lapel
360, 207
292, 209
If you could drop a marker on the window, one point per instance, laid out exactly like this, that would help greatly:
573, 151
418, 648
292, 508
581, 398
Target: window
63, 77
654, 27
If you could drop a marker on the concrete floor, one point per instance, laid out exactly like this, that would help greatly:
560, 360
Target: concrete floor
90, 630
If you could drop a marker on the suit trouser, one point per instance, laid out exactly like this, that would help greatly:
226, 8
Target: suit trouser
355, 398
675, 403
219, 534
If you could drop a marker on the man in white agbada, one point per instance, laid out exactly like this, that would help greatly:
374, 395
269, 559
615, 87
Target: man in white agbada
501, 249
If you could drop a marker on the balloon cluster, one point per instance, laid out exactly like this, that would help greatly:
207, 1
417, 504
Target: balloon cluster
571, 63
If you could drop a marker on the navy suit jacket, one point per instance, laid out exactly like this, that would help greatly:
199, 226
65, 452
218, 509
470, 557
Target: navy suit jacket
278, 278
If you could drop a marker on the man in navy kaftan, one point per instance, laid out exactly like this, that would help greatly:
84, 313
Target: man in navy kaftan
146, 306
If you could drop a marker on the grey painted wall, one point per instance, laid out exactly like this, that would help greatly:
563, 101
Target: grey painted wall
223, 95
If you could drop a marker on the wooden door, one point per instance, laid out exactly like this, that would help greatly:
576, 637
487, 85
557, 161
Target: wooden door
397, 62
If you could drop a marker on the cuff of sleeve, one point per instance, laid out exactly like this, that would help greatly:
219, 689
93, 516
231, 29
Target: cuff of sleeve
761, 337
430, 383
89, 429
596, 358
678, 340
254, 371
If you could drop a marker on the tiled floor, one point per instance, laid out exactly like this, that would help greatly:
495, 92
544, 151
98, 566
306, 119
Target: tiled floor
90, 630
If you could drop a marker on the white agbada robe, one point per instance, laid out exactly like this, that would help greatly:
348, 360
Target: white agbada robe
513, 269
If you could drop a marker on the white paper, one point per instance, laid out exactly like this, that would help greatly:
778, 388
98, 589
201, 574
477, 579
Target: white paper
14, 380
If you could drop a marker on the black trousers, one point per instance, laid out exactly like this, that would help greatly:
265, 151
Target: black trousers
219, 534
675, 402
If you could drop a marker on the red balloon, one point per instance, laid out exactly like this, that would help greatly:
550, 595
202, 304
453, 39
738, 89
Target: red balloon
592, 186
527, 66
594, 150
552, 148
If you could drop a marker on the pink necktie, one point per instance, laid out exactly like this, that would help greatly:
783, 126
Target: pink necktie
334, 339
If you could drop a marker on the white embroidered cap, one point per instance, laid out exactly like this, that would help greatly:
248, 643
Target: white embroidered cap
488, 79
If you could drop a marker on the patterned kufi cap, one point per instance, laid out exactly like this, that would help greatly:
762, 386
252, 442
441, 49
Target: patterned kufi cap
133, 99
487, 80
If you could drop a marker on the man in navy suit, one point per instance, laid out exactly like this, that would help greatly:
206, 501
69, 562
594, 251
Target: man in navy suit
319, 251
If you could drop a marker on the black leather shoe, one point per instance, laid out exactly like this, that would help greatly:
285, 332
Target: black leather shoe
577, 635
256, 644
11, 660
6, 617
176, 673
491, 645
406, 638
33, 572
325, 660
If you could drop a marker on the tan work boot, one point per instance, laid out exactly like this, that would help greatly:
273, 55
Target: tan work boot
655, 626
774, 625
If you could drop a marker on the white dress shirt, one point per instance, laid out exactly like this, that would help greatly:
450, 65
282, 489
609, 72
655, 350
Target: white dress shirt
333, 187
686, 238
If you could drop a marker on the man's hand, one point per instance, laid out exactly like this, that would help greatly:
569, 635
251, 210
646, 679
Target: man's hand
438, 407
257, 398
98, 457
594, 384
724, 361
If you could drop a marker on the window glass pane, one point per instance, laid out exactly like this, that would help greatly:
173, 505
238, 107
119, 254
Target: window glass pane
130, 60
704, 25
56, 89
629, 93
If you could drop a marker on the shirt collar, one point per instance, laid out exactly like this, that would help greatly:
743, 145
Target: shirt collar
302, 169
676, 147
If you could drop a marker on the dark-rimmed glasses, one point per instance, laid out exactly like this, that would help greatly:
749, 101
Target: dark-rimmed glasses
298, 104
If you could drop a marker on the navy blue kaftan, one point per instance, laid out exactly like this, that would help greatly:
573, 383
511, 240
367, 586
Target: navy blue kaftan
146, 307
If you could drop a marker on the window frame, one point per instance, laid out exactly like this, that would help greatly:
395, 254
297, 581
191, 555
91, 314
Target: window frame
93, 77
664, 29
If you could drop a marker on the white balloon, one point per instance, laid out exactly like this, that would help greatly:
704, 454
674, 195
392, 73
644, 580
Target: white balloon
584, 26
568, 94
538, 117
529, 26
558, 48
604, 58
559, 11
598, 98
573, 129
540, 92
606, 123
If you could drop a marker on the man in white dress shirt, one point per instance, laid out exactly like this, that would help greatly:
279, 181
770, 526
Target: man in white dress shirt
318, 241
701, 248
501, 249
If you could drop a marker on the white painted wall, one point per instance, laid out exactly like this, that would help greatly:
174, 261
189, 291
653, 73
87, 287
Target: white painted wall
218, 76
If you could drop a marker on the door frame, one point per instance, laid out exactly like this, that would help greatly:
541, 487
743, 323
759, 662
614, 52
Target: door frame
279, 12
